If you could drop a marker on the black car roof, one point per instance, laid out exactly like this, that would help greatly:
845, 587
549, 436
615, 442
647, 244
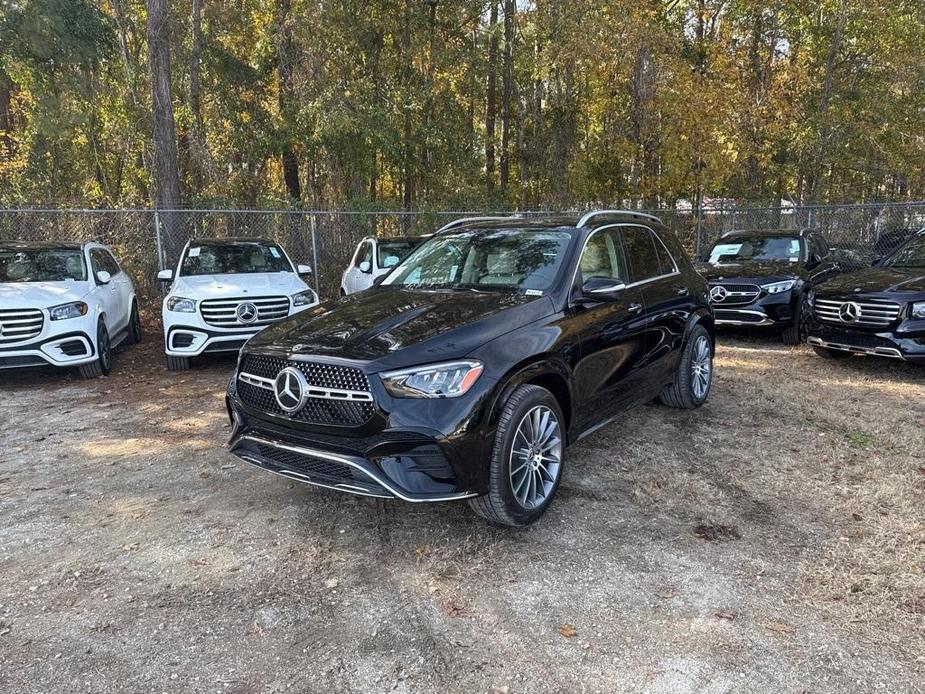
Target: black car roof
764, 232
404, 239
40, 245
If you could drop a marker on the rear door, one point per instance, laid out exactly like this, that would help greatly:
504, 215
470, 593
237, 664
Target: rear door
667, 299
611, 334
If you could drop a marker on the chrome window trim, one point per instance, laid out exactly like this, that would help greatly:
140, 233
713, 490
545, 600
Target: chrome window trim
618, 225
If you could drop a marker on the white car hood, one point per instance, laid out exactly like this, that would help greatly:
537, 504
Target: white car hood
201, 287
41, 294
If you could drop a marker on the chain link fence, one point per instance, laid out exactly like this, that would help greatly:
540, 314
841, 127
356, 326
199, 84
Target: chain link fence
146, 241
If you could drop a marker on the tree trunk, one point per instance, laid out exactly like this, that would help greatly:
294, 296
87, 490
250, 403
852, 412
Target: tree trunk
194, 98
408, 145
507, 83
166, 169
285, 51
490, 107
6, 116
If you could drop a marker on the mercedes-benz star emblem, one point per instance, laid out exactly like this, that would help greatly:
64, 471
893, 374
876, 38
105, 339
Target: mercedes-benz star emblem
246, 313
849, 312
718, 294
291, 390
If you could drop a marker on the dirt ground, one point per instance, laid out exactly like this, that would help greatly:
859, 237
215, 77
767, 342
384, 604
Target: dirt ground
773, 541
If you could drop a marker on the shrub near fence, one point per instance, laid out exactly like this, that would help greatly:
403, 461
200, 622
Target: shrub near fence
147, 240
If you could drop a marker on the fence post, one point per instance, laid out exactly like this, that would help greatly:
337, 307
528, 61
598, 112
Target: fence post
161, 262
316, 270
697, 241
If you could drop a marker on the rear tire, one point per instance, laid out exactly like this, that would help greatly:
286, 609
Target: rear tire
178, 363
833, 354
134, 327
103, 364
694, 377
531, 439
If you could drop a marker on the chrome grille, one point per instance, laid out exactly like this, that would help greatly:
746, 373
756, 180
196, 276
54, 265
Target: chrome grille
222, 313
870, 313
346, 398
20, 324
736, 294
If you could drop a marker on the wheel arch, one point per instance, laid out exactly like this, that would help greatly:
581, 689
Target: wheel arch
702, 317
549, 373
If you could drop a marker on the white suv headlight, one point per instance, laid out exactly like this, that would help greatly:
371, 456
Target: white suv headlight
75, 309
778, 287
304, 298
181, 304
449, 380
918, 309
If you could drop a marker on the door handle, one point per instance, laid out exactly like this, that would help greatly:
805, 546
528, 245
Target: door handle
634, 308
682, 291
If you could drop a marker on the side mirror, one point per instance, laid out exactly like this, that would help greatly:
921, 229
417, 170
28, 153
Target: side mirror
366, 267
103, 277
603, 288
165, 275
304, 269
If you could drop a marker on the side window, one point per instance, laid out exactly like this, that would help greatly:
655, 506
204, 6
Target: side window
643, 258
603, 257
111, 266
665, 263
366, 254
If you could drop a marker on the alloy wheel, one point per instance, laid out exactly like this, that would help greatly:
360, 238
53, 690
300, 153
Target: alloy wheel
536, 457
105, 350
701, 367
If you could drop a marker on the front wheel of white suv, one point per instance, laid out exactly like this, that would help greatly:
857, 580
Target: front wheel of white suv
103, 364
177, 363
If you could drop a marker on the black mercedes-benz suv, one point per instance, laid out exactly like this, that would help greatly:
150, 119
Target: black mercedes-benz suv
762, 278
879, 311
466, 372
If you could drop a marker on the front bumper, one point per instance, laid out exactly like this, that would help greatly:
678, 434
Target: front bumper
768, 310
188, 335
63, 343
400, 453
881, 344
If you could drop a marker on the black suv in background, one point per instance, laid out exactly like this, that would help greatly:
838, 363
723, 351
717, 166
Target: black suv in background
480, 357
879, 311
762, 278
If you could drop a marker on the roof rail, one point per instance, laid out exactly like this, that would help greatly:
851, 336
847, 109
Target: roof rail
465, 220
597, 213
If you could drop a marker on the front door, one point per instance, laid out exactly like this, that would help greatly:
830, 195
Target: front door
611, 334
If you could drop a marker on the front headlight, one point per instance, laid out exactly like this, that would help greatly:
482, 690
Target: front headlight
448, 380
181, 304
778, 287
75, 309
304, 298
918, 309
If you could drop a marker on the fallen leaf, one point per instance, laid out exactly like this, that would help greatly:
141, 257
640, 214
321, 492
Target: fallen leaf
567, 630
780, 628
725, 614
666, 594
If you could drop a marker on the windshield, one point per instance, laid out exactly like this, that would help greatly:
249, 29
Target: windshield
524, 259
391, 253
743, 249
42, 265
911, 256
234, 258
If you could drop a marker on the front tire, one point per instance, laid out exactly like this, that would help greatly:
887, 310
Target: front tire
134, 326
694, 376
178, 363
103, 364
526, 459
796, 333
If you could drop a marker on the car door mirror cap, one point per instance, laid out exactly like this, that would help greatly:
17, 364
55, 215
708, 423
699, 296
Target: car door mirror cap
603, 288
304, 269
103, 277
366, 267
165, 275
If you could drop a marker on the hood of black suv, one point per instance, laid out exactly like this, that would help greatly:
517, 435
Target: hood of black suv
880, 280
402, 327
757, 272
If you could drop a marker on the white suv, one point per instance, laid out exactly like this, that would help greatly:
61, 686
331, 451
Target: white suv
374, 257
64, 304
224, 292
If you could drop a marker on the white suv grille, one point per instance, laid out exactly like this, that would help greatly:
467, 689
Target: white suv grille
223, 313
20, 324
875, 314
